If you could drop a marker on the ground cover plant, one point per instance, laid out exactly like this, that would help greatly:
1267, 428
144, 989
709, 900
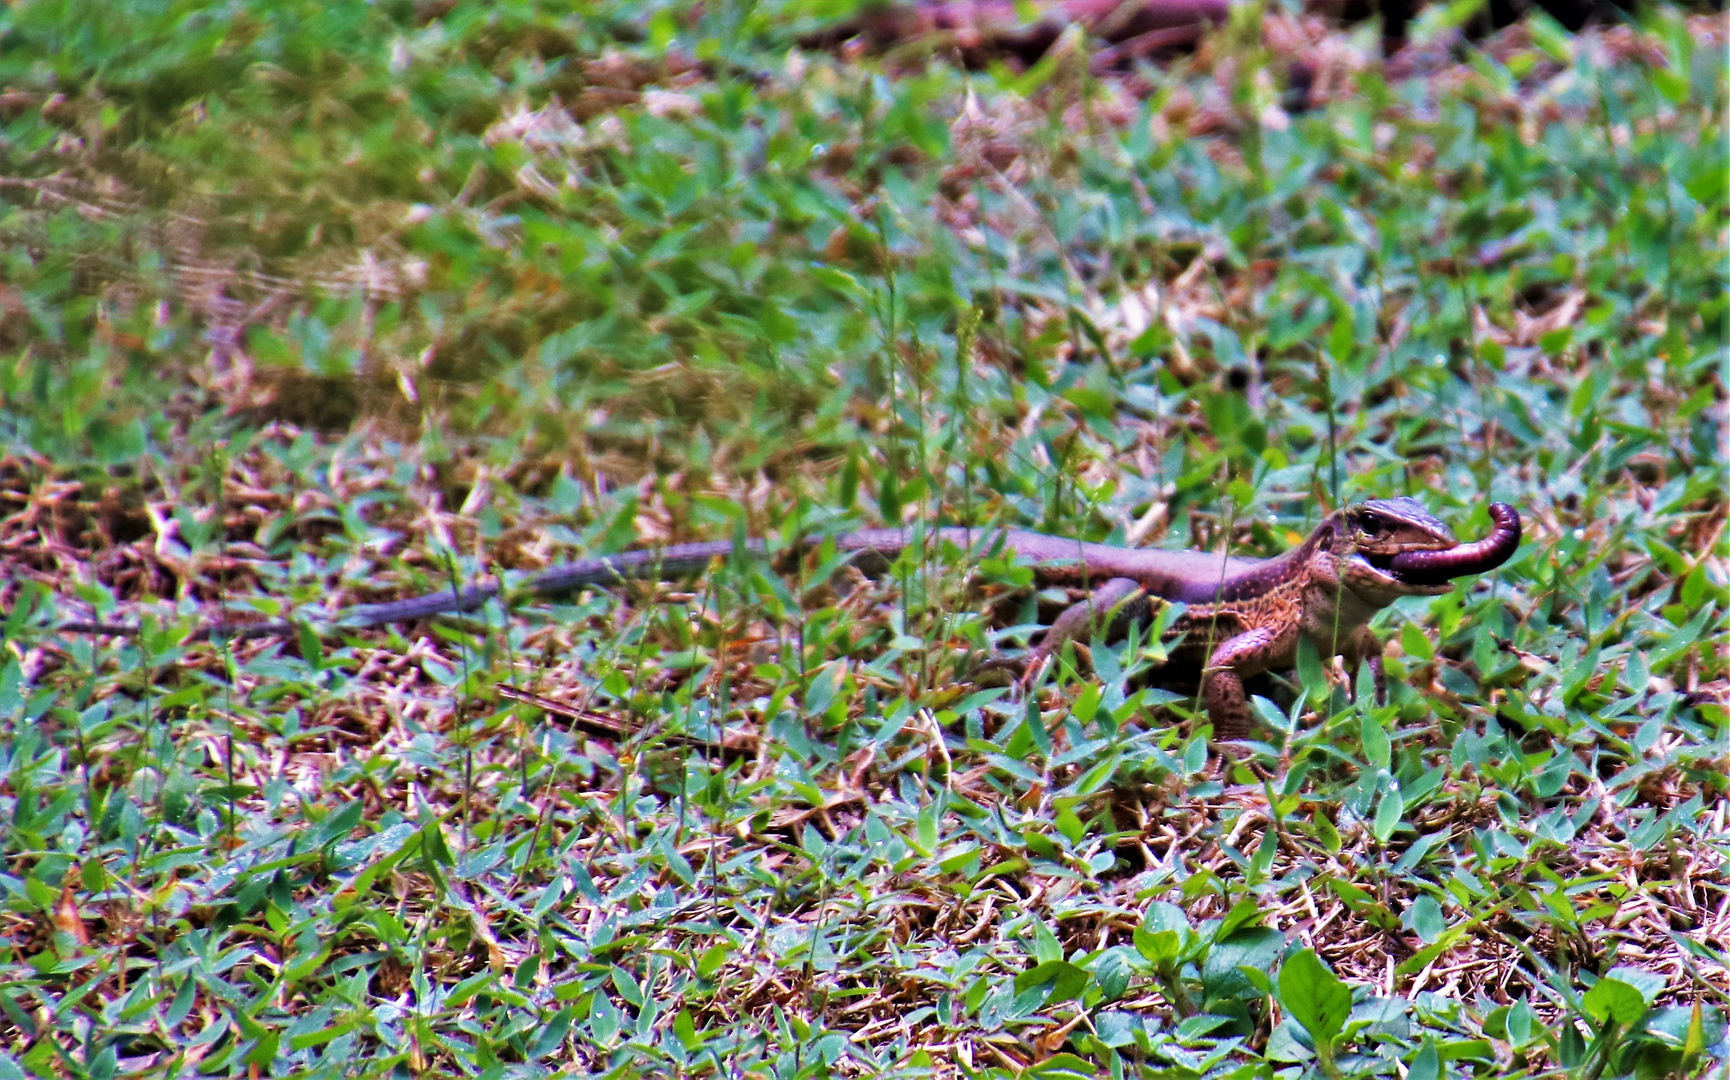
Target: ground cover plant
309, 304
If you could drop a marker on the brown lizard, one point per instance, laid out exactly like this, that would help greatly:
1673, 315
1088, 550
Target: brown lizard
1242, 616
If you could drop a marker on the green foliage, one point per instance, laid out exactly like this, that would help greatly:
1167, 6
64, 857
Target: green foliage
310, 304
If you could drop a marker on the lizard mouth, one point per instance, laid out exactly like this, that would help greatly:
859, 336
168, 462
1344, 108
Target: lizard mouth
1388, 569
1381, 564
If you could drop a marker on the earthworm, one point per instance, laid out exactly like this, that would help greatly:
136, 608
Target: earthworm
1435, 567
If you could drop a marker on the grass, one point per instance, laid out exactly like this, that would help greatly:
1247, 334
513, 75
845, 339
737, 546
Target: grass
312, 304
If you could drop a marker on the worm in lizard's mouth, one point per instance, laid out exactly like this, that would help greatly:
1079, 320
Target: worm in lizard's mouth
1382, 564
1388, 568
1423, 568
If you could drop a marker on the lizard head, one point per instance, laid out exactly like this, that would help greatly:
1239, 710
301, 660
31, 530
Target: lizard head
1366, 538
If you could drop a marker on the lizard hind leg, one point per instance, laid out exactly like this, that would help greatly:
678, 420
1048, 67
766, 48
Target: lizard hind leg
1114, 602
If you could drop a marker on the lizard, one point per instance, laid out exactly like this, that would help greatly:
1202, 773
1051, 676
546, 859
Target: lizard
1241, 616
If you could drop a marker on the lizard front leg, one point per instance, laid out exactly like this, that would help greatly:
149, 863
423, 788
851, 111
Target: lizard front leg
1116, 601
1222, 679
1363, 646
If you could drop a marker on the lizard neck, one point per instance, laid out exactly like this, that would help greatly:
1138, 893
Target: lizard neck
1295, 567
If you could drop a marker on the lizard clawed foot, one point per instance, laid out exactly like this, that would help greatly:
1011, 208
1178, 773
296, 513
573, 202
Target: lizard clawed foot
999, 671
1228, 754
1013, 665
1034, 666
1023, 672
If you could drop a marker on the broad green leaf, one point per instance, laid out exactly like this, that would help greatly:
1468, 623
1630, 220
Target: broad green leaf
1254, 947
1112, 971
1313, 995
1062, 979
1377, 749
1613, 999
